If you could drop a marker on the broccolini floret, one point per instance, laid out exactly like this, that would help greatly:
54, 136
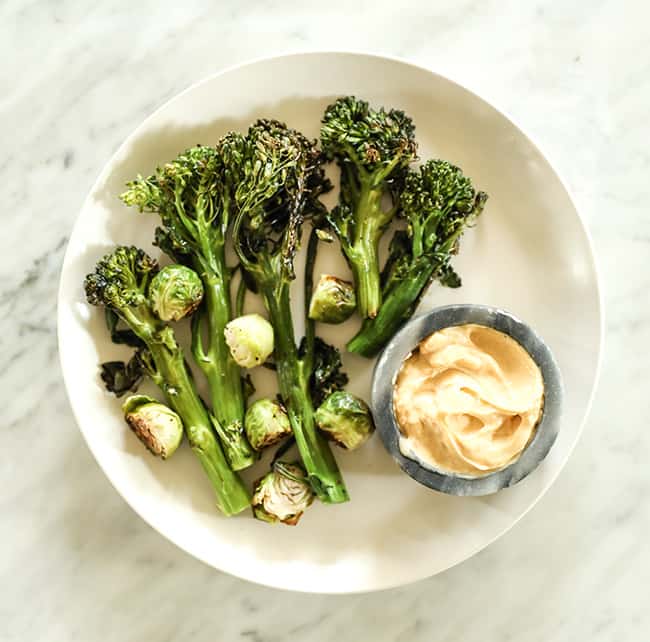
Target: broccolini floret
373, 148
280, 180
438, 202
193, 195
120, 282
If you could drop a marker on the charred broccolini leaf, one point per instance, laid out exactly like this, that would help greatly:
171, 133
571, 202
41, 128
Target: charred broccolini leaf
438, 203
121, 377
121, 282
193, 195
373, 148
281, 178
120, 335
327, 371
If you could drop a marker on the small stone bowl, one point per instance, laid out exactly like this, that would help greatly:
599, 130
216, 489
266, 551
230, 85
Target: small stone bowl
407, 339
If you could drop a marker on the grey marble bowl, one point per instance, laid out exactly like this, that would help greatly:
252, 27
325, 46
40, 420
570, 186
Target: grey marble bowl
405, 341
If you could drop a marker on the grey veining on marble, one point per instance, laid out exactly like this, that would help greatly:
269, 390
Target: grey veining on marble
75, 78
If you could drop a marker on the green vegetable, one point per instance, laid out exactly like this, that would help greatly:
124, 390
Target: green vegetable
345, 419
175, 292
158, 427
438, 203
373, 149
193, 195
326, 376
120, 377
333, 300
281, 177
250, 339
266, 423
121, 282
282, 494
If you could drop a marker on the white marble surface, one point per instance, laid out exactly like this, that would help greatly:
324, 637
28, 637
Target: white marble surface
76, 563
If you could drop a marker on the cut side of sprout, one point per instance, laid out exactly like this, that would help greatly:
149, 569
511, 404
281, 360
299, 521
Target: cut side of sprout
250, 340
158, 427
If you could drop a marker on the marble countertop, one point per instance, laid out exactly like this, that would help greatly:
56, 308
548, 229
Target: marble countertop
76, 78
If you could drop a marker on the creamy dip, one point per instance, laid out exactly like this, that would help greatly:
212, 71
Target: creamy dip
467, 400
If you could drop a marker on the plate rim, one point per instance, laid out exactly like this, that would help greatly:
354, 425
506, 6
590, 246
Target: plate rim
297, 53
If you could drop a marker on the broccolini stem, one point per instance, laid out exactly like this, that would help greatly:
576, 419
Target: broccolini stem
179, 390
310, 324
220, 369
365, 270
293, 381
396, 308
370, 221
240, 298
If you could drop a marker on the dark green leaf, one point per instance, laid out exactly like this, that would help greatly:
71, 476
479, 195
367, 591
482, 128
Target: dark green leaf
124, 336
327, 375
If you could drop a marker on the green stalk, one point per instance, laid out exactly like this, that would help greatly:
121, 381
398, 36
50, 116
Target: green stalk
395, 310
401, 300
175, 382
240, 298
364, 263
293, 381
310, 324
363, 252
221, 371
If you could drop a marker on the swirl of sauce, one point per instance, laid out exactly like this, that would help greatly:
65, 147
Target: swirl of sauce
467, 400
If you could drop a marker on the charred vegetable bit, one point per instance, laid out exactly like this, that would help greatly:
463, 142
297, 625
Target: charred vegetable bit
345, 419
283, 494
121, 282
280, 179
158, 427
121, 377
438, 203
267, 423
333, 300
327, 374
373, 149
175, 292
193, 195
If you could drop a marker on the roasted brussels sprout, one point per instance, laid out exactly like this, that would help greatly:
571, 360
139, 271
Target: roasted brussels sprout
266, 423
283, 494
175, 292
250, 339
158, 427
333, 300
345, 419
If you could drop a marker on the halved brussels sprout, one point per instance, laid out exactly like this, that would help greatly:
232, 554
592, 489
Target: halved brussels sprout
175, 292
283, 494
250, 339
333, 300
345, 419
266, 423
158, 427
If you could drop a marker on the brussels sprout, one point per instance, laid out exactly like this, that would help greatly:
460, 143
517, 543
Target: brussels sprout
345, 419
175, 292
266, 423
250, 339
282, 494
333, 300
158, 427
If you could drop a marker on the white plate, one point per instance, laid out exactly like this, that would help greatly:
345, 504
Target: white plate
529, 254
